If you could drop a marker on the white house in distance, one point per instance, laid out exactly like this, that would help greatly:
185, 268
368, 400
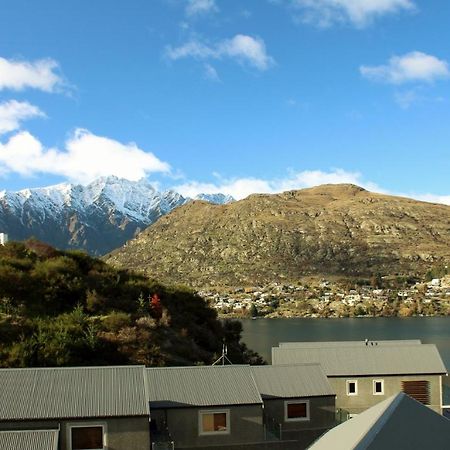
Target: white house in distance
3, 238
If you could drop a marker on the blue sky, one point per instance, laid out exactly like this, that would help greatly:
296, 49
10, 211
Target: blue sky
224, 95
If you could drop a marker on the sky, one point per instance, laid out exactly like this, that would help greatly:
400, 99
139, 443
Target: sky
231, 96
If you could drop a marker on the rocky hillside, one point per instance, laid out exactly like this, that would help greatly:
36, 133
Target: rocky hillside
97, 218
327, 230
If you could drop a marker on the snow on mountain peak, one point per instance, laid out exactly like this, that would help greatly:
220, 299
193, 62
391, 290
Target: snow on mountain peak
138, 200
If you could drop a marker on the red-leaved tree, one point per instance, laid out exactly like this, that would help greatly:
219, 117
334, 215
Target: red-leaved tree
156, 307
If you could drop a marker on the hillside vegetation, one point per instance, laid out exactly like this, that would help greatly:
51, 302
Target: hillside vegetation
61, 308
330, 230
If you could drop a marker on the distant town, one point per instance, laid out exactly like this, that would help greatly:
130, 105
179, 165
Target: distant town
324, 298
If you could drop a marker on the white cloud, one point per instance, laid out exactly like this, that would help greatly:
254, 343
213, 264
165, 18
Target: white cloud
360, 13
211, 73
12, 113
412, 67
242, 187
242, 48
19, 75
432, 198
85, 158
200, 7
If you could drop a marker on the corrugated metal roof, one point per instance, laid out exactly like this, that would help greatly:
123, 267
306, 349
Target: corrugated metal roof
73, 392
366, 360
290, 381
29, 440
307, 344
201, 386
398, 422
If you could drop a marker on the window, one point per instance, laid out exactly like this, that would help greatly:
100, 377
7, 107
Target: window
214, 422
295, 411
352, 387
418, 390
378, 387
87, 437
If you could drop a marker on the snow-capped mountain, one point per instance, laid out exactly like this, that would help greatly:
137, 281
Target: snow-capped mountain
98, 217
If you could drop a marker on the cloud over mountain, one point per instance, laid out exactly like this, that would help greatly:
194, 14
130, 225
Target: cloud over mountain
12, 113
85, 157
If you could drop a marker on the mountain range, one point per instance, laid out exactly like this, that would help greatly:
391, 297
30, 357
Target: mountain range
98, 217
329, 230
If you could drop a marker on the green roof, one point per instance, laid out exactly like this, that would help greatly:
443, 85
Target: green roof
73, 392
29, 440
366, 360
399, 423
292, 381
201, 386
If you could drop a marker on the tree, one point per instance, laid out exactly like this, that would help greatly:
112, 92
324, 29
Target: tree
156, 307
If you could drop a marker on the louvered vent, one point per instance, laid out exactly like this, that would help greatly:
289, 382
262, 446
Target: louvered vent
419, 390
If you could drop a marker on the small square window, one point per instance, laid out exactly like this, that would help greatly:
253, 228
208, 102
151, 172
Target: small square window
378, 387
296, 411
352, 387
87, 438
214, 422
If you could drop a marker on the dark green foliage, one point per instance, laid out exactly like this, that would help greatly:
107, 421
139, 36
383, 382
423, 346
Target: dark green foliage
60, 308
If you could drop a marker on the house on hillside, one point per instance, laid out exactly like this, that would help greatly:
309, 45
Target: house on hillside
299, 402
3, 238
399, 423
364, 373
88, 407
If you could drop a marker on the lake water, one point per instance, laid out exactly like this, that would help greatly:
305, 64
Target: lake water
263, 334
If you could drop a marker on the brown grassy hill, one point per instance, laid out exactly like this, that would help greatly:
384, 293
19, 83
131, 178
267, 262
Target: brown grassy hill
326, 230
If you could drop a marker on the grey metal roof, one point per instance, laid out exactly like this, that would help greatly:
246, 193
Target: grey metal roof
29, 440
366, 360
307, 344
291, 381
73, 392
399, 423
201, 386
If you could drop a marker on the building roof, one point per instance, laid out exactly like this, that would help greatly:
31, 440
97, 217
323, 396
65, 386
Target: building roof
291, 381
201, 386
398, 422
73, 392
29, 440
307, 344
366, 360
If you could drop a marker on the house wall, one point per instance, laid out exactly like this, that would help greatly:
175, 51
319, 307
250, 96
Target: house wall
121, 433
321, 413
246, 426
356, 404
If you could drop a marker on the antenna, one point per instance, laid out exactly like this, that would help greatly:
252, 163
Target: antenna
224, 358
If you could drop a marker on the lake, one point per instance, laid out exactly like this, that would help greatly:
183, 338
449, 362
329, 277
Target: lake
262, 334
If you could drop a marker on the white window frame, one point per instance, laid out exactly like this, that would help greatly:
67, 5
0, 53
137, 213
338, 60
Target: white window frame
203, 412
296, 419
87, 425
382, 387
347, 384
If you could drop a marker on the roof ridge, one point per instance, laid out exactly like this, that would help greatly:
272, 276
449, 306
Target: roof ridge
379, 423
198, 367
11, 369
